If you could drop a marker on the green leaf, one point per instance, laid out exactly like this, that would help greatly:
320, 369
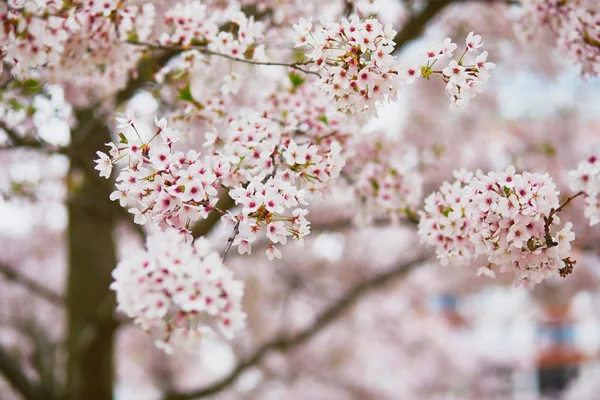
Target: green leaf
185, 94
122, 138
323, 119
132, 36
548, 149
198, 42
249, 53
296, 79
31, 85
506, 191
375, 184
447, 211
15, 105
17, 187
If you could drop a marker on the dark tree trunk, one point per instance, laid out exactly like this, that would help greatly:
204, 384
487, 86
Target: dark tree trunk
92, 219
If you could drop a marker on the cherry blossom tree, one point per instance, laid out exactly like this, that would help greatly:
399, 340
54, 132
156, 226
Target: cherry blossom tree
167, 154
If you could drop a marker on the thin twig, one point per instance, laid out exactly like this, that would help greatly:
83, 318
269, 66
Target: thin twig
204, 50
236, 230
548, 220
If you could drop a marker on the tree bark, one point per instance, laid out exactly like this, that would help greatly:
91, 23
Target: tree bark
90, 303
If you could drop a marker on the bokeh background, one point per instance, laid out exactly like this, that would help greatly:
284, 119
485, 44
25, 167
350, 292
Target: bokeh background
363, 311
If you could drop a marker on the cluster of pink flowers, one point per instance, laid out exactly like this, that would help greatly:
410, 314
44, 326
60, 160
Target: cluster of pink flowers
586, 179
197, 84
510, 220
171, 288
444, 223
355, 58
192, 23
81, 43
383, 178
159, 185
264, 206
32, 34
266, 175
308, 168
510, 215
255, 146
303, 108
248, 145
314, 134
97, 53
464, 77
576, 24
360, 70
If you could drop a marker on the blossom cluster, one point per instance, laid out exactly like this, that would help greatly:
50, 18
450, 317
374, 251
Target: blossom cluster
32, 35
311, 166
266, 174
197, 83
464, 77
82, 41
248, 144
270, 175
383, 177
97, 54
192, 23
264, 206
509, 219
355, 58
257, 147
360, 70
305, 110
176, 291
586, 179
159, 185
575, 24
314, 135
445, 225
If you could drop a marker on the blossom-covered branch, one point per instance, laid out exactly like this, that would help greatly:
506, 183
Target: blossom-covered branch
503, 217
574, 23
549, 242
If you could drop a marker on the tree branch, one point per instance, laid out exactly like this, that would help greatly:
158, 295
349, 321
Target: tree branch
550, 219
234, 233
17, 141
20, 142
31, 285
415, 25
203, 227
146, 69
15, 377
202, 49
284, 342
